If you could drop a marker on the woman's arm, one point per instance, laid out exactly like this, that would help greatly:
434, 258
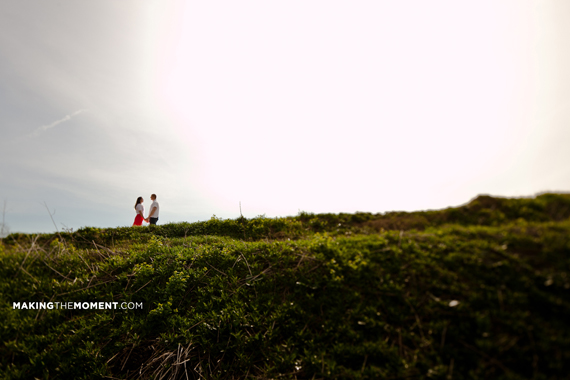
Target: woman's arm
145, 219
141, 213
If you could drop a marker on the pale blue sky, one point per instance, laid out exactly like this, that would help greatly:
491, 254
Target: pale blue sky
321, 106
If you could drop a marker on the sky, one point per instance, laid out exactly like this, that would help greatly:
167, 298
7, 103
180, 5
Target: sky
316, 106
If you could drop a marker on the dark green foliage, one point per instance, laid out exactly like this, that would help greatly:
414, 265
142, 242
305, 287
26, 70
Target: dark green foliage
476, 292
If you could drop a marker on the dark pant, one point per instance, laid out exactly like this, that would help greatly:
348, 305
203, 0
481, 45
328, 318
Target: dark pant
153, 220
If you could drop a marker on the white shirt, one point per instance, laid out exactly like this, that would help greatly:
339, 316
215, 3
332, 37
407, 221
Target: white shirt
154, 204
140, 208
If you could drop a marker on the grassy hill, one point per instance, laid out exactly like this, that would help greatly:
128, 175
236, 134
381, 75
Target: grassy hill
474, 292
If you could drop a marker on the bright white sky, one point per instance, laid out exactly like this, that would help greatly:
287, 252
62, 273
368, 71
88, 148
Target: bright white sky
320, 106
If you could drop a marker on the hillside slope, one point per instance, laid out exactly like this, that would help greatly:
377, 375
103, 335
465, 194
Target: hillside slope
475, 292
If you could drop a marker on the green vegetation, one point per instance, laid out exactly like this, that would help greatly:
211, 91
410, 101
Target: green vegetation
475, 292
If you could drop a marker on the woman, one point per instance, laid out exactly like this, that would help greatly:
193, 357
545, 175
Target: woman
139, 208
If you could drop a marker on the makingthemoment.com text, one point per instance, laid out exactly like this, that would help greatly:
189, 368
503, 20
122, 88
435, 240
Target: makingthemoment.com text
77, 305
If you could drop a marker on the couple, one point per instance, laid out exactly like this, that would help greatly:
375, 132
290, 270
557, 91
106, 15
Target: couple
152, 216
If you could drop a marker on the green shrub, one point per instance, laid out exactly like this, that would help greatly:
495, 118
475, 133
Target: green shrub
401, 295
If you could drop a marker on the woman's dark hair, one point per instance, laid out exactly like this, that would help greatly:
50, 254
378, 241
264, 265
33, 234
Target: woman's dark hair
139, 199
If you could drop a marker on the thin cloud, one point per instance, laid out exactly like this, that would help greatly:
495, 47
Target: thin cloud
44, 128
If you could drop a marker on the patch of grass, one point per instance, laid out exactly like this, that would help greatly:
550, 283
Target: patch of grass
439, 294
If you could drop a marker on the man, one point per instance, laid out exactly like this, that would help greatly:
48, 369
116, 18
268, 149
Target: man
154, 208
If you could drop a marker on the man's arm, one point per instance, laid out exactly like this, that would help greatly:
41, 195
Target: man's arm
151, 212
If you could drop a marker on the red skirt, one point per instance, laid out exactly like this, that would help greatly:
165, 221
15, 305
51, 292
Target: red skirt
138, 220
